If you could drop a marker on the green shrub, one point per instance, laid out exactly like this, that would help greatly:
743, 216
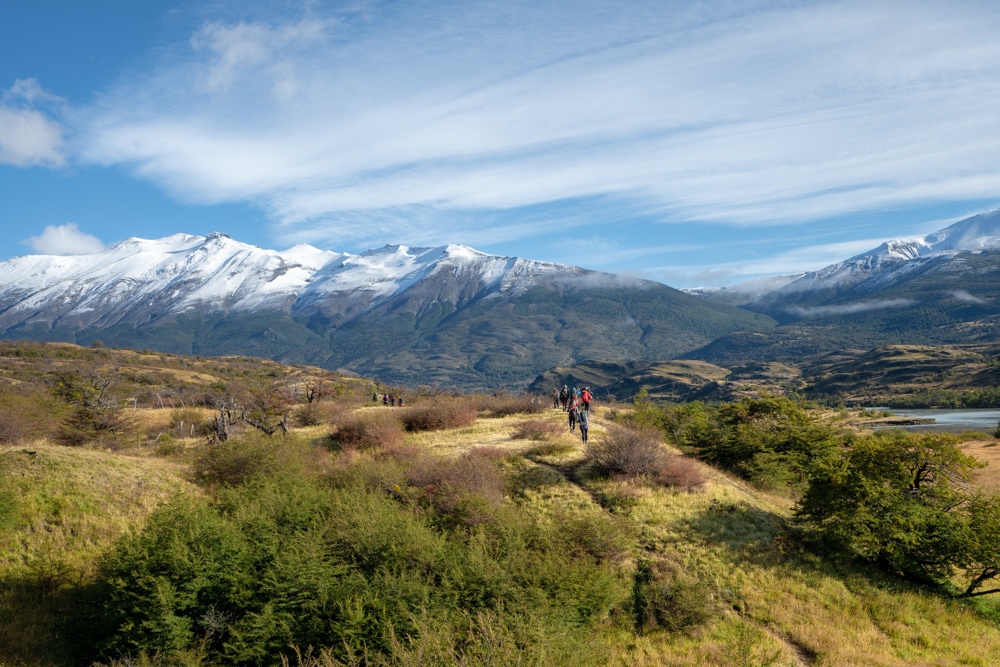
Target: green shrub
665, 599
771, 441
280, 563
253, 454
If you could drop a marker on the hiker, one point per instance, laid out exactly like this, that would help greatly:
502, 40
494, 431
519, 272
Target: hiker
584, 421
375, 397
564, 397
574, 417
586, 397
399, 401
555, 397
392, 400
385, 399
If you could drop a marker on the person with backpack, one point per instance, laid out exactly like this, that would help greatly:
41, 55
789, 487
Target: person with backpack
564, 397
584, 421
586, 397
574, 417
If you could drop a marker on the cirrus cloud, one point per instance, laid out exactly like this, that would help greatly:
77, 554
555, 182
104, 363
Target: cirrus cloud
357, 125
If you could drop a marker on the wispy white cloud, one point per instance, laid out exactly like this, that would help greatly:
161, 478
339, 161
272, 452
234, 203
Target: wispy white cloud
735, 113
964, 295
794, 261
850, 308
65, 239
29, 137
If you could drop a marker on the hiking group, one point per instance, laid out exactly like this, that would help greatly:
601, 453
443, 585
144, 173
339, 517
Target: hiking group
576, 403
388, 399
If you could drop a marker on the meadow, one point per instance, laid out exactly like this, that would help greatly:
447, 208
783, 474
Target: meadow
313, 526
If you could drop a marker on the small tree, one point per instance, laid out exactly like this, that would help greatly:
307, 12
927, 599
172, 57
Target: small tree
98, 413
902, 501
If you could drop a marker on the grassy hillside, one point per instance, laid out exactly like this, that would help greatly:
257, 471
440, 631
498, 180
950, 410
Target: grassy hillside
482, 535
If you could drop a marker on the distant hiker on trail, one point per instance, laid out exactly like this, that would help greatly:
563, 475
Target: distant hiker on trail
399, 402
586, 397
555, 397
574, 417
375, 397
385, 399
392, 400
564, 397
584, 420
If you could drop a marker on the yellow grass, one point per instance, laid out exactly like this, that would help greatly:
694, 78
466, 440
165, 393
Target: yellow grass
988, 452
770, 596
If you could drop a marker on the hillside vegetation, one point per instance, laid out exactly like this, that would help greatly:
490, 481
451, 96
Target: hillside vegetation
459, 530
913, 376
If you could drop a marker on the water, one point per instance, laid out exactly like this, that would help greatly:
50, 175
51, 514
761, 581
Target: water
972, 419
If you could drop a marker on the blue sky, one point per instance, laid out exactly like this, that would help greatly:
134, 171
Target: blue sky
692, 143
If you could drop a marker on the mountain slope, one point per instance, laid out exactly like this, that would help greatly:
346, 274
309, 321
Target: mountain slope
940, 289
449, 315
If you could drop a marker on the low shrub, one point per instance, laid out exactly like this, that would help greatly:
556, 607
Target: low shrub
319, 412
254, 454
678, 472
504, 406
669, 600
460, 490
368, 430
536, 429
438, 416
626, 451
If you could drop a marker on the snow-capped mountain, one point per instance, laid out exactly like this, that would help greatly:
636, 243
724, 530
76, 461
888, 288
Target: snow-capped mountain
893, 260
140, 280
445, 314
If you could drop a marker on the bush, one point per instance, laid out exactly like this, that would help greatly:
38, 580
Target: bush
460, 490
350, 572
368, 430
253, 454
536, 429
504, 406
319, 412
678, 472
626, 451
666, 599
438, 416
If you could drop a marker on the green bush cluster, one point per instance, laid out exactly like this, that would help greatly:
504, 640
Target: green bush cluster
902, 501
771, 441
379, 560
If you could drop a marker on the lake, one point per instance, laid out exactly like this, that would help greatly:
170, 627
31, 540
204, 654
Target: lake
978, 419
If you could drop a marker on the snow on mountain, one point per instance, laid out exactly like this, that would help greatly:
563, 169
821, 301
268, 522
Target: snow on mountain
141, 280
892, 259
